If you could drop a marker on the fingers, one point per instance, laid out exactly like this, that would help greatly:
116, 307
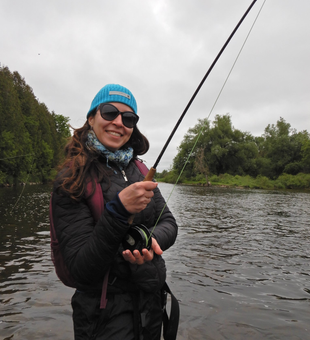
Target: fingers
156, 247
128, 256
135, 257
137, 196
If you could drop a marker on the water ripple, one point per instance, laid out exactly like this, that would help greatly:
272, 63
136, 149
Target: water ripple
240, 267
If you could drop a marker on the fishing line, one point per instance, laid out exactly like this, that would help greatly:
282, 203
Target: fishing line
204, 125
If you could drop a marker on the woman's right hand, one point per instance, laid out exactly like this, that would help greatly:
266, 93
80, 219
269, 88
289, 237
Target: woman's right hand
137, 196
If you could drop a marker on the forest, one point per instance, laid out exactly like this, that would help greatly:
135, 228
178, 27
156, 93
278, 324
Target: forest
32, 138
32, 141
218, 153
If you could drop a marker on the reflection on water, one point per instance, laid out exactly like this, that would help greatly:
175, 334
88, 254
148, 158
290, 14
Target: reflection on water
34, 305
240, 266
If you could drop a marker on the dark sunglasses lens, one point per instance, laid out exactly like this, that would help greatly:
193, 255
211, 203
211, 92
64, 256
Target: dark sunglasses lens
130, 119
109, 112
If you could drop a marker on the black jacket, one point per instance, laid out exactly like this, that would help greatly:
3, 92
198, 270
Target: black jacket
134, 308
90, 249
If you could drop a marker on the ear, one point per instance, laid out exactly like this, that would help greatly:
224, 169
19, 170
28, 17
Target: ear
91, 120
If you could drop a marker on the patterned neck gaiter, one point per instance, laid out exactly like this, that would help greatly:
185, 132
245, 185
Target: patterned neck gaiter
120, 157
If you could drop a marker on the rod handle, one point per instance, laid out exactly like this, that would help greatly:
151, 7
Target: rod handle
149, 177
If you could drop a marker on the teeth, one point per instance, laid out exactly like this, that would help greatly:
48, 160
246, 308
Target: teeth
114, 134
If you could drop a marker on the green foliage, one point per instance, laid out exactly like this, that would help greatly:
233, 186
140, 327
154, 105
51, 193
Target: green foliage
293, 168
224, 155
281, 150
300, 181
305, 153
32, 138
220, 149
167, 177
62, 125
285, 181
2, 177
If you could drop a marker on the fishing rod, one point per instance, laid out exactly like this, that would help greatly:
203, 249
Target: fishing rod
139, 236
152, 170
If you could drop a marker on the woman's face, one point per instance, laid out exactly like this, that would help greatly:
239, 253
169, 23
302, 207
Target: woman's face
112, 134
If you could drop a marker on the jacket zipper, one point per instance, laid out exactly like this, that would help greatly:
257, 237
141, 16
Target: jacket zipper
124, 175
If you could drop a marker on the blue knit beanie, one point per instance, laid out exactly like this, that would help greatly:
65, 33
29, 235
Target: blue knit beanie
113, 93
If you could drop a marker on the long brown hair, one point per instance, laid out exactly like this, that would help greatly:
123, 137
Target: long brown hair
82, 164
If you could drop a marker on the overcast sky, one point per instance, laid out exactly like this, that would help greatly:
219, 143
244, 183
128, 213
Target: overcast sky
161, 49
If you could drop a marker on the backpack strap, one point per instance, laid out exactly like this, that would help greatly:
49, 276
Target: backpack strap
142, 167
171, 324
95, 202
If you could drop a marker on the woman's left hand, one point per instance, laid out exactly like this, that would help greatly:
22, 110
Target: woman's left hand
135, 257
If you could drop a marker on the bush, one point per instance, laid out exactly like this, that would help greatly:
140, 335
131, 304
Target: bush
293, 168
2, 178
200, 178
300, 181
170, 177
285, 181
214, 179
262, 182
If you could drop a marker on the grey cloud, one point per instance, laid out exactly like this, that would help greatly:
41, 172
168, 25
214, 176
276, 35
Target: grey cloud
161, 50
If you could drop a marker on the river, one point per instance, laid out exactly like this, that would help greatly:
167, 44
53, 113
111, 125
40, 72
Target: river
240, 267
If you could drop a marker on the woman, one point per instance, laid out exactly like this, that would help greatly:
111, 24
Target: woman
104, 150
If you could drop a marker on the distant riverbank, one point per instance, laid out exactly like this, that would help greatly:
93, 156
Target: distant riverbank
285, 181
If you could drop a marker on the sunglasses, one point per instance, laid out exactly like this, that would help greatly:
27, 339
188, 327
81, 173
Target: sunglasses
110, 112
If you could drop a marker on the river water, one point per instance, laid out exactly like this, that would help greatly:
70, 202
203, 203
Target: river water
240, 267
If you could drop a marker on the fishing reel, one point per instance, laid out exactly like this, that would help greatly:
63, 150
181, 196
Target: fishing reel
137, 238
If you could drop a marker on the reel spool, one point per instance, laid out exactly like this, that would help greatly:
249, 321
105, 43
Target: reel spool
138, 237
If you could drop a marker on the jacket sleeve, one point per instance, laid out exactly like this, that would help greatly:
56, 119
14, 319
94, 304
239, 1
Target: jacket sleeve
166, 229
88, 248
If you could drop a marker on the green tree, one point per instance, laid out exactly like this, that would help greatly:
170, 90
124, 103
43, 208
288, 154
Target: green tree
32, 138
281, 150
224, 150
62, 135
200, 164
15, 140
232, 151
305, 153
185, 154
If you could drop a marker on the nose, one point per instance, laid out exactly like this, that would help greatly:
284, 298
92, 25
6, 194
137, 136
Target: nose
118, 120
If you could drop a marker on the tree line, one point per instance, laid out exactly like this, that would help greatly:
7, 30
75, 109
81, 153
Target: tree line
222, 149
31, 137
32, 140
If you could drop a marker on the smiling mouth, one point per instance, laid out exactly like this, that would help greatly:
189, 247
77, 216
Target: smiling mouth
117, 134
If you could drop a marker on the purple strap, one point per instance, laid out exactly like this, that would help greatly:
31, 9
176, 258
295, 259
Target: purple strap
95, 202
142, 167
96, 205
104, 300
